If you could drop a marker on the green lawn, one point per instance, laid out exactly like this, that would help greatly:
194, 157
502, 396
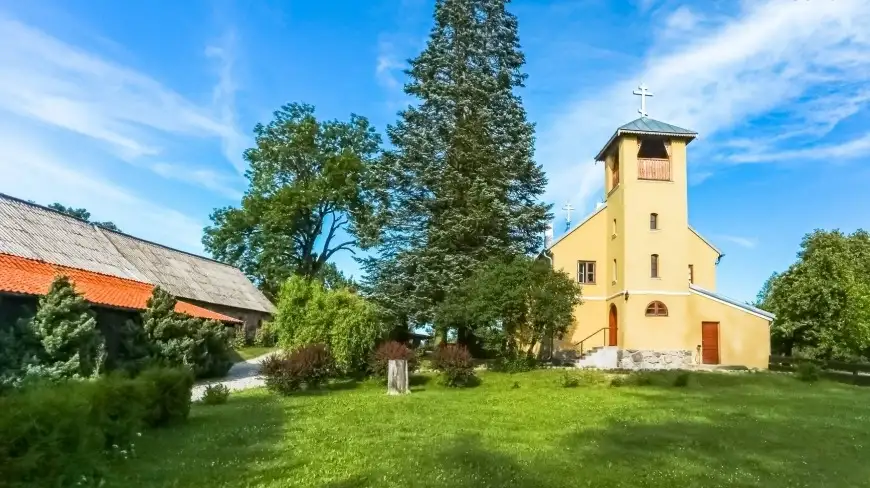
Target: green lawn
251, 352
731, 430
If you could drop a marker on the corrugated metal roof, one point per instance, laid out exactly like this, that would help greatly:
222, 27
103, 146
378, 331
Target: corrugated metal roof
32, 231
646, 125
734, 303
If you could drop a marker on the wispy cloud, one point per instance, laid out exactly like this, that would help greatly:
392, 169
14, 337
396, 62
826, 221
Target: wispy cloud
389, 66
133, 116
36, 171
747, 242
769, 58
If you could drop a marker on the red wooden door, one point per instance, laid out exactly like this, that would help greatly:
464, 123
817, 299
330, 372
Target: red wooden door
710, 342
611, 333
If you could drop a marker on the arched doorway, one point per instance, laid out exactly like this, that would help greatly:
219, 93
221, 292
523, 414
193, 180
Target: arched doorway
611, 333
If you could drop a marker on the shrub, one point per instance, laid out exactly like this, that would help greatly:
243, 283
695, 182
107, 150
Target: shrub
213, 350
345, 322
515, 363
181, 340
216, 394
168, 393
582, 377
278, 376
265, 335
118, 406
47, 436
307, 367
133, 352
569, 380
809, 372
60, 433
238, 338
380, 359
455, 364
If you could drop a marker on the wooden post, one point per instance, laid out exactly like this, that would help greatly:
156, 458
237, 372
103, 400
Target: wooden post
397, 377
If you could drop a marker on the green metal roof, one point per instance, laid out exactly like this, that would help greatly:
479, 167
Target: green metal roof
646, 125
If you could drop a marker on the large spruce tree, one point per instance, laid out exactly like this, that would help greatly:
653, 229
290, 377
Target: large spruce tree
461, 179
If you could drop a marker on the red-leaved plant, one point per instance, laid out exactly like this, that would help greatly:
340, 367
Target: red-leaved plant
380, 359
455, 364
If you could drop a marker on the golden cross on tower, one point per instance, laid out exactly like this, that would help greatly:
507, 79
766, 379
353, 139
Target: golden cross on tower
643, 92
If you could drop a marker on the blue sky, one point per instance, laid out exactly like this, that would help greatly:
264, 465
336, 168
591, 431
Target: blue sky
140, 112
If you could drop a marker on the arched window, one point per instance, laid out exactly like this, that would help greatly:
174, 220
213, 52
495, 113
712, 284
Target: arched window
654, 266
653, 221
656, 309
615, 271
614, 228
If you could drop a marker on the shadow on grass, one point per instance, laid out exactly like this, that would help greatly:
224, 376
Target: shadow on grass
761, 435
215, 447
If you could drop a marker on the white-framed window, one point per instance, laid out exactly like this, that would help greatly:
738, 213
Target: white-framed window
586, 272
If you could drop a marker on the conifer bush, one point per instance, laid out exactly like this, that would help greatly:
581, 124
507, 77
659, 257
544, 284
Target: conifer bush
67, 331
180, 340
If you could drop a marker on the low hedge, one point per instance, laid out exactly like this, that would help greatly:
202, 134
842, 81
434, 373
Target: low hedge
63, 434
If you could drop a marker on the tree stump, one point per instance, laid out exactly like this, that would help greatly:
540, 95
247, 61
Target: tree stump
397, 377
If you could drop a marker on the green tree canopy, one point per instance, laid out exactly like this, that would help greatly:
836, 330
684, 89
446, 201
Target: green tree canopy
822, 302
512, 304
82, 214
307, 190
348, 324
460, 184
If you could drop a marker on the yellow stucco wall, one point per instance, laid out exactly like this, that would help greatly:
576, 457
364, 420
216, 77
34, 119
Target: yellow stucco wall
621, 232
585, 243
744, 338
703, 257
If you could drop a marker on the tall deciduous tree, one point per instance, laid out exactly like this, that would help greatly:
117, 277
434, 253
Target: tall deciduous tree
822, 302
308, 188
512, 304
462, 184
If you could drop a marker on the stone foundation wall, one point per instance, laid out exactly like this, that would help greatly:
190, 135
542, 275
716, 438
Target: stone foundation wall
648, 359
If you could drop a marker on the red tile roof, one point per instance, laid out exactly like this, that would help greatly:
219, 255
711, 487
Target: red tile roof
31, 277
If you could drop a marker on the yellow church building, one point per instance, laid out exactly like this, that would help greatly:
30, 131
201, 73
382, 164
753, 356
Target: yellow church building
648, 278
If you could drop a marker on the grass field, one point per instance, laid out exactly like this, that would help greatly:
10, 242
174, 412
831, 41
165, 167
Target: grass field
764, 430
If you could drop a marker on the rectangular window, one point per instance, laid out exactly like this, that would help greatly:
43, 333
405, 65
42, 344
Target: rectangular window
586, 272
654, 266
653, 221
691, 274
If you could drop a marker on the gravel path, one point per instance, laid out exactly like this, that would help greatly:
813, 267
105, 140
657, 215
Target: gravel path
241, 376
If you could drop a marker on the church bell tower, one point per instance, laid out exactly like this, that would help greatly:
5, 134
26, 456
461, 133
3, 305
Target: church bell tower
647, 217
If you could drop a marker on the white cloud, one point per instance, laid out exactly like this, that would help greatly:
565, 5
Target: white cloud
850, 149
721, 76
34, 171
133, 116
388, 66
747, 242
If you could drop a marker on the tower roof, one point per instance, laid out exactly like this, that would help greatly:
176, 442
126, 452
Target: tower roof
647, 126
